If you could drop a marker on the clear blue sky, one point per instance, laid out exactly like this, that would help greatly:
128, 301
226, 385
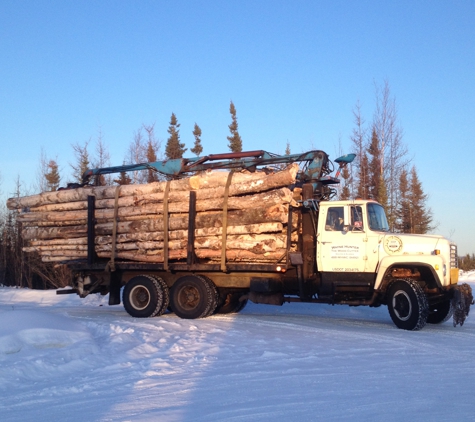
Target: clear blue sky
294, 70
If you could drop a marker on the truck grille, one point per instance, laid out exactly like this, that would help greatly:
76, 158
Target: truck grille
453, 256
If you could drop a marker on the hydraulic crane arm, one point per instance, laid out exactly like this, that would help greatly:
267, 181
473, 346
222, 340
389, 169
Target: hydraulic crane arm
315, 167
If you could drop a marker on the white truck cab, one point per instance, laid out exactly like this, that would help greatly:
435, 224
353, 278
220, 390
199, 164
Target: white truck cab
355, 248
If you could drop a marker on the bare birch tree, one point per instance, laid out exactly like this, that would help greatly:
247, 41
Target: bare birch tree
101, 159
152, 151
41, 184
393, 151
137, 154
360, 145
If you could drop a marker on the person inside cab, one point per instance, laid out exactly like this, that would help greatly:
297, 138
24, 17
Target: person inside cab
334, 219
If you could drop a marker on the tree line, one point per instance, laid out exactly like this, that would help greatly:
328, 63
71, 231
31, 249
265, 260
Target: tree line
18, 268
382, 171
467, 262
145, 147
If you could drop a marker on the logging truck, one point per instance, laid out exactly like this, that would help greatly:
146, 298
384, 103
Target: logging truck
204, 240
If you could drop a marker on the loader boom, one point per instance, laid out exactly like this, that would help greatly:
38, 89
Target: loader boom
316, 165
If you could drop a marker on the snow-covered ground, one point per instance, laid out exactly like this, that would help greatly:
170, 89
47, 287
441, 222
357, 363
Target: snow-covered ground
63, 358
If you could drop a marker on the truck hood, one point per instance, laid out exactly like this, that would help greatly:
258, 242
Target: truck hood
412, 244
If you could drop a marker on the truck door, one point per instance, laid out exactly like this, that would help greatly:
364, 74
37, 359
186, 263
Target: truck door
342, 247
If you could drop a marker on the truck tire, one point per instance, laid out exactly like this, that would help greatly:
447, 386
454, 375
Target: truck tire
192, 297
441, 312
214, 291
408, 305
231, 304
166, 295
143, 296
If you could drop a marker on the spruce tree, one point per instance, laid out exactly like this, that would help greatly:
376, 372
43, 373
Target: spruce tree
375, 176
404, 208
363, 170
345, 193
82, 161
174, 148
421, 215
123, 179
197, 148
235, 142
52, 176
467, 263
287, 148
151, 157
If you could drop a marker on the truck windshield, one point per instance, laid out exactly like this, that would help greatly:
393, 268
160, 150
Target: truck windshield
377, 218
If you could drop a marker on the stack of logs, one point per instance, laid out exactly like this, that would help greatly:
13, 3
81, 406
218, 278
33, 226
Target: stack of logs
254, 208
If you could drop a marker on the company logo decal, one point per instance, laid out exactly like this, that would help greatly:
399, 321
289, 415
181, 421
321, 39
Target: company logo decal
392, 244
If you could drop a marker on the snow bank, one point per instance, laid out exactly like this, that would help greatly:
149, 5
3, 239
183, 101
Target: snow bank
63, 358
467, 277
24, 329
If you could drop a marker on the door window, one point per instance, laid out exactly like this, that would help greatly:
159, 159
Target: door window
334, 220
356, 217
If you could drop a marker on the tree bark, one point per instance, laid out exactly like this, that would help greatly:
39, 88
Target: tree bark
173, 235
278, 196
205, 220
257, 208
242, 183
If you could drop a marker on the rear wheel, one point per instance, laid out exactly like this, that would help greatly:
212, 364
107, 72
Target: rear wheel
143, 296
440, 313
192, 297
166, 295
214, 293
408, 305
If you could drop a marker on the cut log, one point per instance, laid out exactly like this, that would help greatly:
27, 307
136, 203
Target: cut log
197, 182
205, 220
264, 183
231, 256
183, 234
30, 233
274, 197
44, 250
257, 208
59, 242
173, 235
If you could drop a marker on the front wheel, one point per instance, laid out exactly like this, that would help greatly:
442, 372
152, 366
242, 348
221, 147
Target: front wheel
408, 305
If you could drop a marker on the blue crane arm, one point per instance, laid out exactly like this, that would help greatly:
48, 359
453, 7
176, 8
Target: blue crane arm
315, 168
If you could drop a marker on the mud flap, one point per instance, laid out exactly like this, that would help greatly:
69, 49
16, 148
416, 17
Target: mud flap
461, 301
114, 287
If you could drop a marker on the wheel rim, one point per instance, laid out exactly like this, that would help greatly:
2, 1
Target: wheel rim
402, 305
139, 297
189, 297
